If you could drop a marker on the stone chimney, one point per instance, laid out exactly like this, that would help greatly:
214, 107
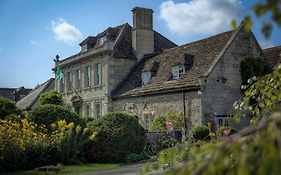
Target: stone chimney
142, 33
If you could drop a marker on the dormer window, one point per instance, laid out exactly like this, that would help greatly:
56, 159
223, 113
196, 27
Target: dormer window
84, 48
178, 71
145, 77
103, 40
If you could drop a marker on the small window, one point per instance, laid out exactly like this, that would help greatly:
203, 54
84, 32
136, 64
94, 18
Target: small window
178, 71
87, 110
69, 81
97, 110
222, 121
62, 85
97, 74
145, 77
87, 76
103, 40
78, 78
84, 48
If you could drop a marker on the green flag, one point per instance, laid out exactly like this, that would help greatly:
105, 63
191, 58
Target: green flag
59, 74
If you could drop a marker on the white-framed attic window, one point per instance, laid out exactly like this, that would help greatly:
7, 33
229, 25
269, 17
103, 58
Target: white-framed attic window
145, 77
103, 39
84, 48
178, 71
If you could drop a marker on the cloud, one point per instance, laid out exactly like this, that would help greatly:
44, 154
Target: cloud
65, 32
200, 16
266, 44
33, 42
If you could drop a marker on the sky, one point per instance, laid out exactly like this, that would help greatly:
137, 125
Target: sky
33, 32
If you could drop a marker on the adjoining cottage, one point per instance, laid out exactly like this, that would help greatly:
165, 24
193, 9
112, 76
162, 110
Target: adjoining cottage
31, 100
138, 71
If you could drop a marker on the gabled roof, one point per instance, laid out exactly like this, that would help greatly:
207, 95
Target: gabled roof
198, 57
28, 101
121, 36
273, 55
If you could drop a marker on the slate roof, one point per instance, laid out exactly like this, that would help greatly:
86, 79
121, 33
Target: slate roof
197, 56
28, 101
272, 55
14, 93
121, 36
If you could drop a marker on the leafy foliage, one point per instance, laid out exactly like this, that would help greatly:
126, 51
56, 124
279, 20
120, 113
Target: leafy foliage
51, 97
159, 122
253, 67
262, 95
49, 113
7, 107
200, 133
116, 135
25, 145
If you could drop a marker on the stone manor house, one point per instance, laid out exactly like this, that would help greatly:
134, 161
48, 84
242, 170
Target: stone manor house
136, 70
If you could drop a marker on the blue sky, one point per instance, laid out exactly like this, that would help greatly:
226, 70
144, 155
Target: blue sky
33, 32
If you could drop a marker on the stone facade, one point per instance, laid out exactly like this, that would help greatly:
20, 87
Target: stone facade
208, 77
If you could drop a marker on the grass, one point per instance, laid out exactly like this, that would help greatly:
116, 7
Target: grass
71, 169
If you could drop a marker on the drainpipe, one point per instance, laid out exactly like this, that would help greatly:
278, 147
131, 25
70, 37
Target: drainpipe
184, 136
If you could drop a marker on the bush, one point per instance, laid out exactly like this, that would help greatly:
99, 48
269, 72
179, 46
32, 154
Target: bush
7, 107
51, 97
200, 133
49, 113
116, 135
226, 131
159, 122
26, 145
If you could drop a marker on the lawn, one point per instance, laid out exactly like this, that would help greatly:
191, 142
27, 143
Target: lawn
71, 169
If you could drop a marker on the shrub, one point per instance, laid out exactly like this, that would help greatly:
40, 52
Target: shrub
200, 133
26, 145
49, 113
225, 131
51, 97
116, 136
7, 107
159, 122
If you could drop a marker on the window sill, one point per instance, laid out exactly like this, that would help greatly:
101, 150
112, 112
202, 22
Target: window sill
97, 86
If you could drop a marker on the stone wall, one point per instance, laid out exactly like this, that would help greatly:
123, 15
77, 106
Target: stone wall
222, 87
145, 107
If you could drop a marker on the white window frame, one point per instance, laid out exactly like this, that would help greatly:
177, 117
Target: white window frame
68, 81
145, 77
78, 78
88, 110
61, 83
178, 71
97, 74
222, 121
84, 47
87, 76
103, 39
97, 110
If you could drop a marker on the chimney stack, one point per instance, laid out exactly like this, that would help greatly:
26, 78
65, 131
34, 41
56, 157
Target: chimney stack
142, 33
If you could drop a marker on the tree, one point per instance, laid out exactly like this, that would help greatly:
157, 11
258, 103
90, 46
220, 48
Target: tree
51, 97
7, 107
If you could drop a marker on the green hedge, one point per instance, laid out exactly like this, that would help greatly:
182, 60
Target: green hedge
116, 136
200, 133
7, 107
50, 113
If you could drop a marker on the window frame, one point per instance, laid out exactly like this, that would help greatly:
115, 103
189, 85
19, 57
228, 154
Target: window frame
103, 40
98, 74
68, 81
87, 80
145, 77
97, 110
78, 78
178, 71
84, 48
